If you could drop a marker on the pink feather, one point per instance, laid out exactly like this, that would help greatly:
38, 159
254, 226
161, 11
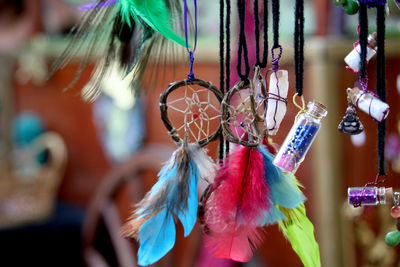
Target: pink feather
238, 199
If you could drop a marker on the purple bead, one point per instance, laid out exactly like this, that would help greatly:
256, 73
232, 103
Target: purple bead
360, 196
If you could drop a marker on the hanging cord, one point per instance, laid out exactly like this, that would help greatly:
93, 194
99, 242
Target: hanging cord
363, 40
228, 56
242, 51
261, 63
299, 46
221, 70
190, 75
381, 84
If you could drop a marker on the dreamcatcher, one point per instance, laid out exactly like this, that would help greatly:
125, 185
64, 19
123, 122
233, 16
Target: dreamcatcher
249, 191
175, 194
372, 104
128, 34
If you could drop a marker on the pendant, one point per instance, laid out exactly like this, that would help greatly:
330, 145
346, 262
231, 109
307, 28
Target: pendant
350, 123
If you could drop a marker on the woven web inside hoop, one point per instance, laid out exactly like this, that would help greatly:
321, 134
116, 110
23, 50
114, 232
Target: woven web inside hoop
241, 118
196, 113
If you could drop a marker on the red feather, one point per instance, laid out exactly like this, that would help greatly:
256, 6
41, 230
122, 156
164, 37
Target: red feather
238, 200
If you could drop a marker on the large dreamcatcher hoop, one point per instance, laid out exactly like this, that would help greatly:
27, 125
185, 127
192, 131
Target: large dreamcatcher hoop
195, 113
239, 121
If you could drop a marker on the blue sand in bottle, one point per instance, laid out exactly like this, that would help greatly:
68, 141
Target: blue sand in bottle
302, 140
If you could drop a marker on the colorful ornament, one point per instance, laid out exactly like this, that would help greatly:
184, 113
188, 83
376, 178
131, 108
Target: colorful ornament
367, 196
300, 137
133, 30
174, 196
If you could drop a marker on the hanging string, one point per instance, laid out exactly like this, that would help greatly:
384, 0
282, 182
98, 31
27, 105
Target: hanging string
228, 56
381, 84
299, 46
261, 63
221, 70
242, 50
275, 22
190, 75
363, 40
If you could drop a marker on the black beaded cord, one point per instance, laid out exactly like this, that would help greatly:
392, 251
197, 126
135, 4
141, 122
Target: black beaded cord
242, 50
275, 22
228, 56
262, 63
299, 46
225, 61
381, 84
363, 39
221, 69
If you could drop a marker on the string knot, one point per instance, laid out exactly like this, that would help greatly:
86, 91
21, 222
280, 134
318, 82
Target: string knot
190, 75
275, 59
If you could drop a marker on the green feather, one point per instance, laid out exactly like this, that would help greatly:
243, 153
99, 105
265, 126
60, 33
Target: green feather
154, 13
299, 230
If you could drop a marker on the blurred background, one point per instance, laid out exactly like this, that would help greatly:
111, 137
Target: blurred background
71, 171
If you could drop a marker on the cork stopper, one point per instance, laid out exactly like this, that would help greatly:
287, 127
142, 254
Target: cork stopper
316, 109
372, 41
353, 94
389, 195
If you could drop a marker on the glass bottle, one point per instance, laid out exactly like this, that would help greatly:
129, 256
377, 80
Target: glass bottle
300, 137
353, 58
368, 103
369, 196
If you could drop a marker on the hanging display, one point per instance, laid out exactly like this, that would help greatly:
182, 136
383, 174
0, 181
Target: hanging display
175, 193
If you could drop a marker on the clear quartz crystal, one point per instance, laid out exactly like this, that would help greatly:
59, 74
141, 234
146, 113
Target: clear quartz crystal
368, 103
276, 108
258, 94
300, 137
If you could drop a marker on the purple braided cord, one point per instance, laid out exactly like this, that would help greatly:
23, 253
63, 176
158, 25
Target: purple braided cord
191, 76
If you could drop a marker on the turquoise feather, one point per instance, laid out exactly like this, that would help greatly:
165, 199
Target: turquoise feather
271, 216
155, 13
157, 237
189, 217
160, 206
284, 190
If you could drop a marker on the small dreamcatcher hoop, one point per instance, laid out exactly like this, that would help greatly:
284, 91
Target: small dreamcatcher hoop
241, 117
195, 113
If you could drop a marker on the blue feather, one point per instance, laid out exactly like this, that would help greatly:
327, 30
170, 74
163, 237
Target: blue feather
284, 192
189, 217
157, 237
271, 216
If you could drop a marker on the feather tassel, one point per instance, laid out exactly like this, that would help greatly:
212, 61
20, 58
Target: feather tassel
235, 202
284, 190
131, 32
173, 196
299, 230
